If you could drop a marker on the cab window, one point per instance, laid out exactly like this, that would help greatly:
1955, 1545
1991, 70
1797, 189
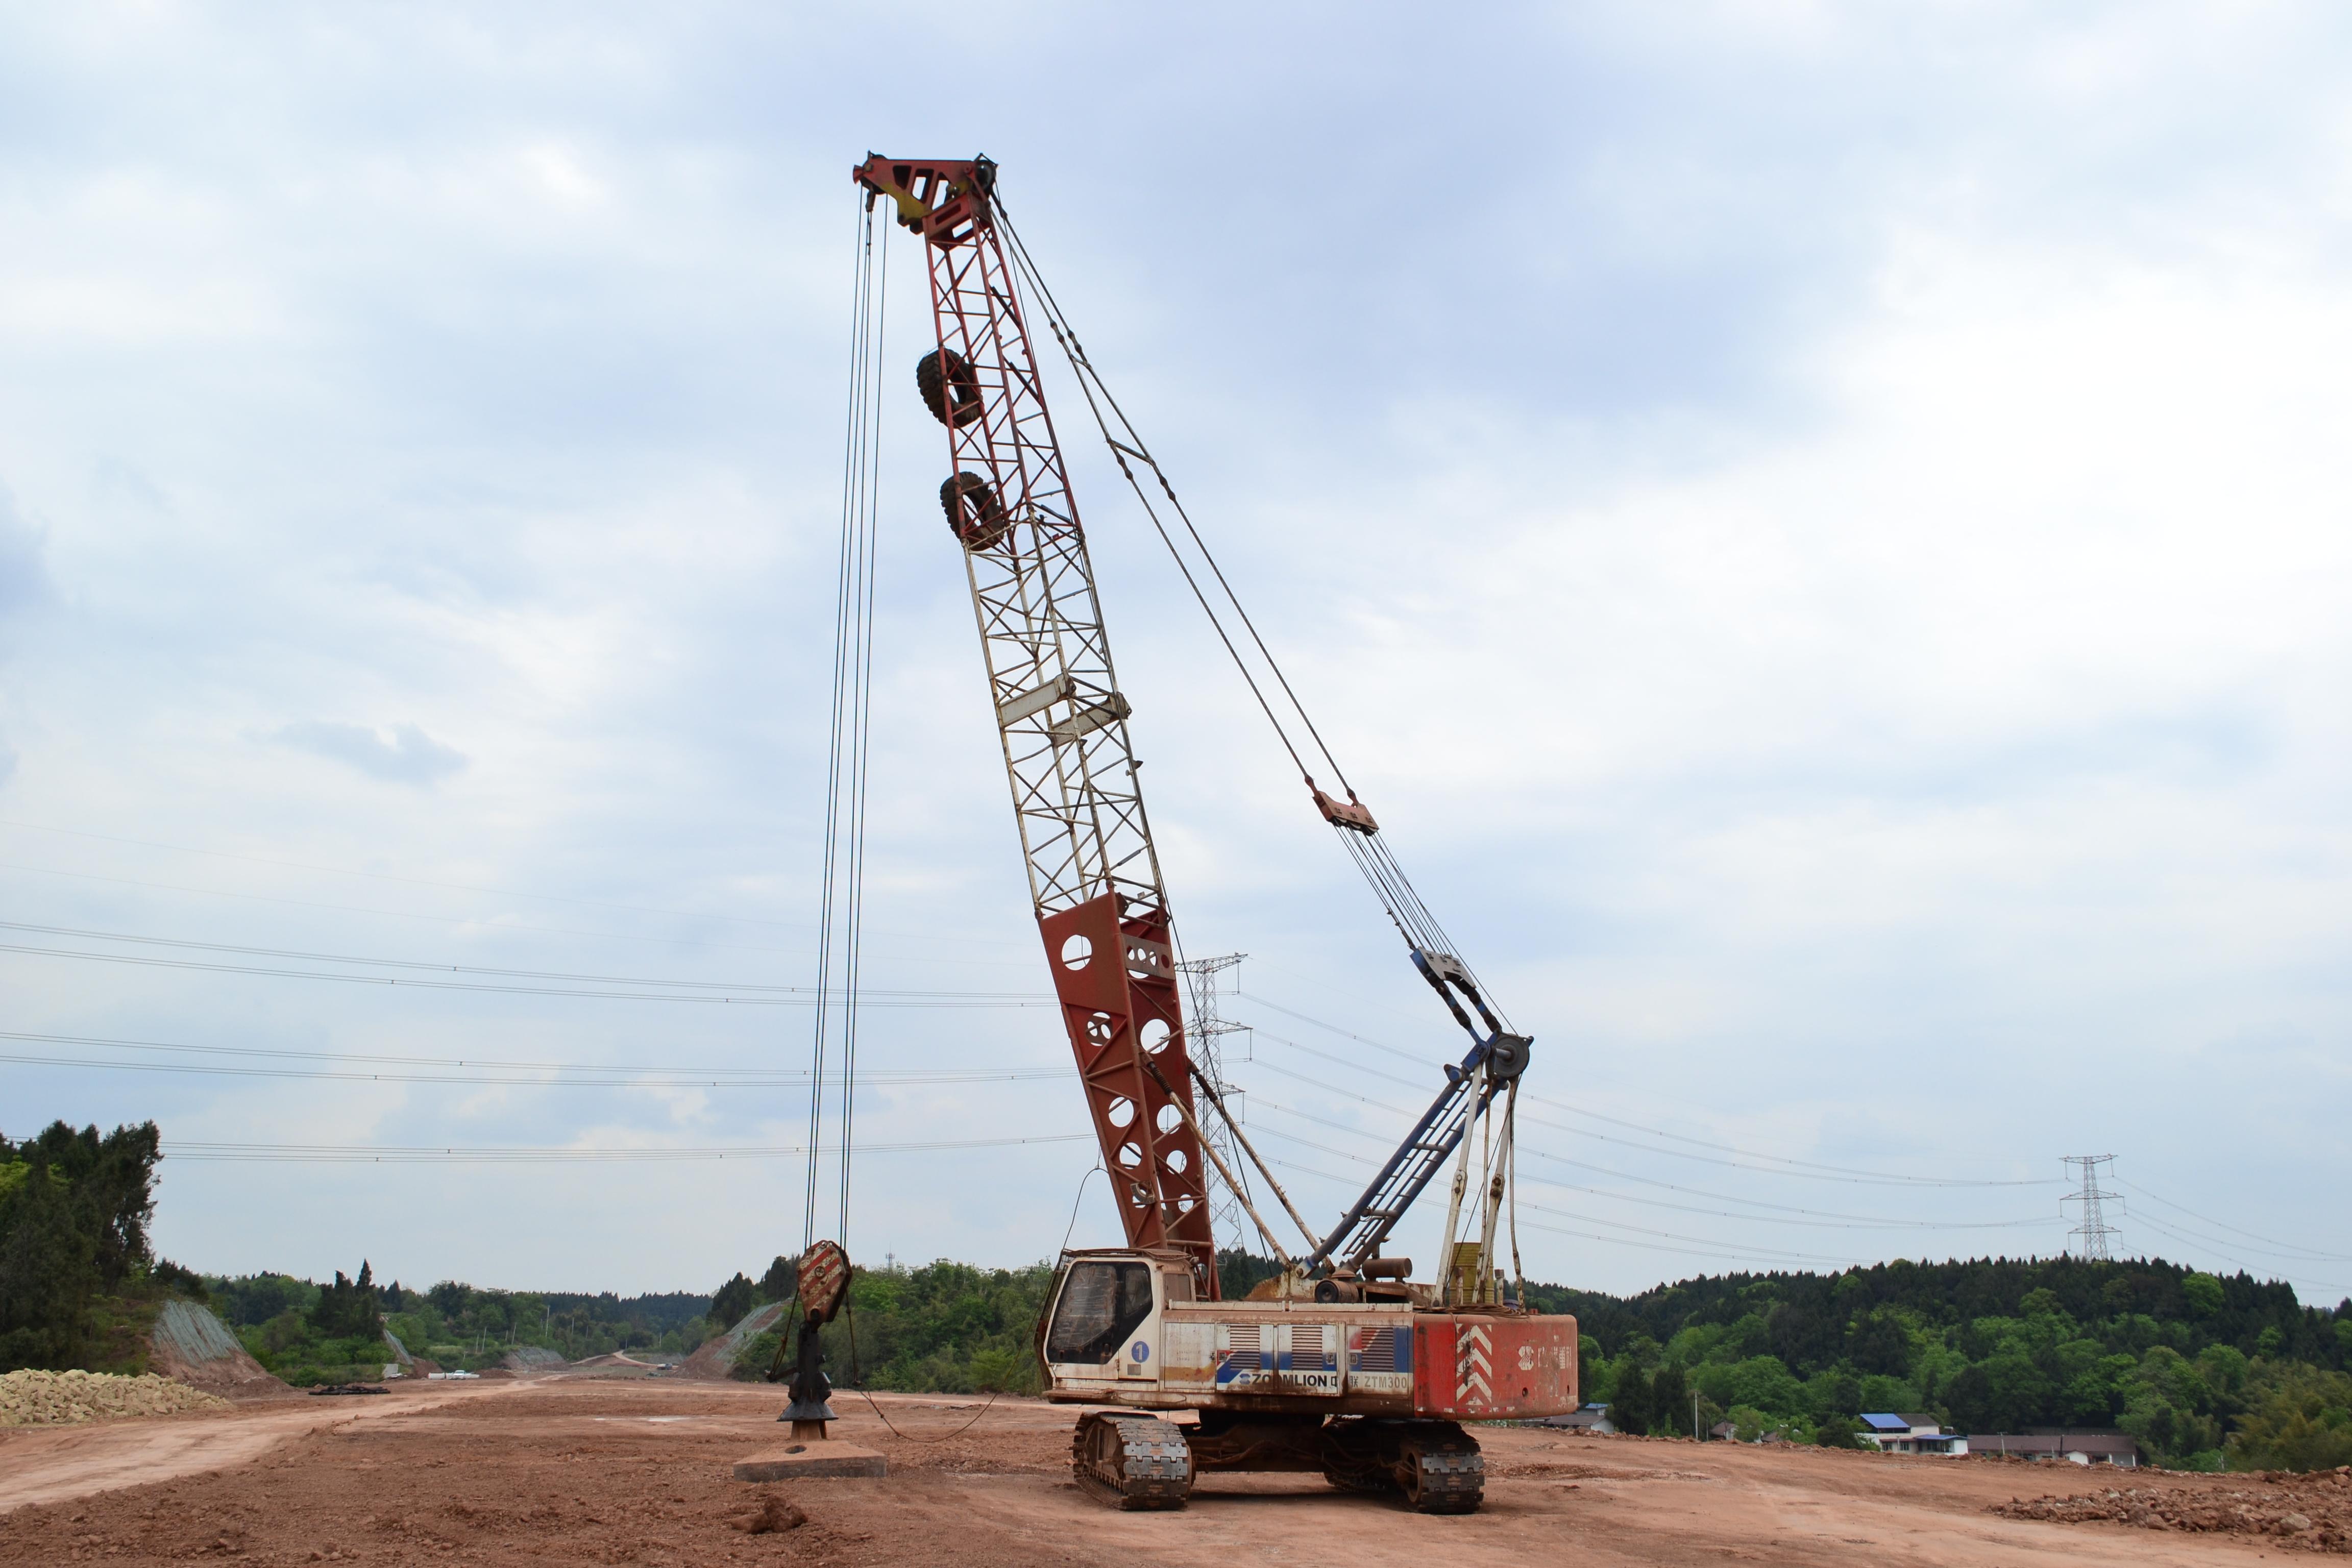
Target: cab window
1101, 1304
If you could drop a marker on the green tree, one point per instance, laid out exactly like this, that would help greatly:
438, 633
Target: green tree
2300, 1419
1670, 1402
1839, 1432
349, 1308
733, 1301
74, 1211
47, 1269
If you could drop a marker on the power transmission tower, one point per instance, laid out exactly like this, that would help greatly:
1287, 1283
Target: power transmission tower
1207, 1040
2095, 1229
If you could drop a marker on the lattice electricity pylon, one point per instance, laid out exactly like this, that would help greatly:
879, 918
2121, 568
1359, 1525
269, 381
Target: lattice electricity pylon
2089, 1239
1093, 877
1207, 1039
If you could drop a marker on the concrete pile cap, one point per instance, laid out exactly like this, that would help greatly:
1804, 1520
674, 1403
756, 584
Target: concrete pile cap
821, 1461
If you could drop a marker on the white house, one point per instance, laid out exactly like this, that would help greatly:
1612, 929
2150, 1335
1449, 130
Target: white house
1590, 1418
1910, 1434
2075, 1448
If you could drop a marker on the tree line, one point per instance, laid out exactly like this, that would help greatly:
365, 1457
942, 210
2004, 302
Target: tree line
2202, 1370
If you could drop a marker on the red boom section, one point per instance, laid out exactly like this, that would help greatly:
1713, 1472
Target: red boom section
1093, 877
1117, 981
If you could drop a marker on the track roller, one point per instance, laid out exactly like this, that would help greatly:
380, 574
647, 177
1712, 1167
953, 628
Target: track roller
1434, 1464
1131, 1462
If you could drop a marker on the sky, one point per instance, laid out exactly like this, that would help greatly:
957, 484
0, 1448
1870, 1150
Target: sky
1819, 530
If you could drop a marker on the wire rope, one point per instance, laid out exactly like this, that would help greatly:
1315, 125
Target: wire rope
840, 906
1372, 856
862, 741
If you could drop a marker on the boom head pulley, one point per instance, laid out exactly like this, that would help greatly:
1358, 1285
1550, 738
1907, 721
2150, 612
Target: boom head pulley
946, 203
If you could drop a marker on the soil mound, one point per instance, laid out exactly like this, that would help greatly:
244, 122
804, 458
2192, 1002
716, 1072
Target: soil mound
2314, 1512
190, 1344
61, 1398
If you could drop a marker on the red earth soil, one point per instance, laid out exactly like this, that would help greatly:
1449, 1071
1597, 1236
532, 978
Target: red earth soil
598, 1470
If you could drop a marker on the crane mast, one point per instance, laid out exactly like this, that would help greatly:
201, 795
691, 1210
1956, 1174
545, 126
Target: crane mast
1094, 876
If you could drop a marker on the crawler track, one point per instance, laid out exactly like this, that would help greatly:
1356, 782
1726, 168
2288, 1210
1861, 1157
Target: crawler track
1434, 1464
1131, 1462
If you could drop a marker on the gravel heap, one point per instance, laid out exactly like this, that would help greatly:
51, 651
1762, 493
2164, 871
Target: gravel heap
2313, 1513
59, 1398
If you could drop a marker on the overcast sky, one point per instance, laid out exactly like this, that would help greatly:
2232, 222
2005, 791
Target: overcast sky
1819, 529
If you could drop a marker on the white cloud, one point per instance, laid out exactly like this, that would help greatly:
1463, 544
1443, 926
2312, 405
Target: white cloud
403, 754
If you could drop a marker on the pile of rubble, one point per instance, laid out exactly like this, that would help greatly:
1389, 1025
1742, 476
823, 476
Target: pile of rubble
59, 1398
2311, 1512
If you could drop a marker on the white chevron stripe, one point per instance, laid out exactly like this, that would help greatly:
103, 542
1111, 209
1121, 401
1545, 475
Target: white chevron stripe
1474, 1360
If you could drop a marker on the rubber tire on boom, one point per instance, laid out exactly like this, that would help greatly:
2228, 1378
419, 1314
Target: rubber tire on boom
1434, 1464
1132, 1462
934, 386
974, 513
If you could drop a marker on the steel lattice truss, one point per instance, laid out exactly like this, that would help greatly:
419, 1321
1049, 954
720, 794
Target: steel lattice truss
1094, 876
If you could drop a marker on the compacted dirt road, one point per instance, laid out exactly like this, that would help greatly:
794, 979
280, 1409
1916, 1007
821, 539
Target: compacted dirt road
560, 1471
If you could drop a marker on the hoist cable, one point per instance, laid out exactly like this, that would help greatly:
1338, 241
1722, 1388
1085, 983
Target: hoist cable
862, 741
1089, 383
1373, 857
1374, 861
845, 766
1365, 845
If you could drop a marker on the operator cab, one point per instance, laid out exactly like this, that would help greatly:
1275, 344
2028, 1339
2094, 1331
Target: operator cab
1104, 1325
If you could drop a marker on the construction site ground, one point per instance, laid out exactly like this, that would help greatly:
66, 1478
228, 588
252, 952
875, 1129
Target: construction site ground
565, 1469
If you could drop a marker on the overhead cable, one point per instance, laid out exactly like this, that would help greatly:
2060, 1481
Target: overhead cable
413, 1154
749, 1076
387, 877
1809, 1169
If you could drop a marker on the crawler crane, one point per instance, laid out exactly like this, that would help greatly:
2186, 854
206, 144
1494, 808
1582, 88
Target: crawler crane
1342, 1366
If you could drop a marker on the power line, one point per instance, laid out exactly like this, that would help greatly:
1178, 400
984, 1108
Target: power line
629, 1079
1824, 1173
1706, 1250
387, 877
1588, 1219
413, 963
502, 926
952, 1000
1810, 1218
405, 1154
2219, 1225
931, 941
2212, 1249
1798, 1167
764, 1075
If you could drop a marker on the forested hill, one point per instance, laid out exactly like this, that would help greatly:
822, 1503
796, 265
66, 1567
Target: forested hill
1814, 1319
2197, 1366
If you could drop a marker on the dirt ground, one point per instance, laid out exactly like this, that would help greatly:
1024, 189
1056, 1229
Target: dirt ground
586, 1470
